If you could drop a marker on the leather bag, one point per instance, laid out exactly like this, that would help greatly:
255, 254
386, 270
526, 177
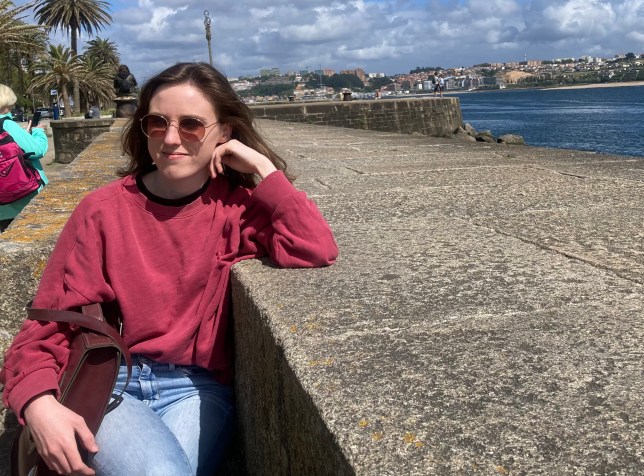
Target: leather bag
87, 383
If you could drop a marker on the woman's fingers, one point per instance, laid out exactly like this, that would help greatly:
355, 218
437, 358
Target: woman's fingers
54, 429
211, 165
241, 158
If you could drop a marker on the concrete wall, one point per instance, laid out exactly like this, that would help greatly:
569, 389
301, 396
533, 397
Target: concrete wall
438, 117
72, 136
281, 430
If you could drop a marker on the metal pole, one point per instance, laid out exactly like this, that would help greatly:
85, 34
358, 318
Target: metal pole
207, 23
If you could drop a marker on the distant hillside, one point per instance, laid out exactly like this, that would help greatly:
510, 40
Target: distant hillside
513, 77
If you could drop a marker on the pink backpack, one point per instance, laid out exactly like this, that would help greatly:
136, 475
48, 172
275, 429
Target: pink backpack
18, 177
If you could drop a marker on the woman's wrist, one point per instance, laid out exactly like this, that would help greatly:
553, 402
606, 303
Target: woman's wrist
38, 399
264, 170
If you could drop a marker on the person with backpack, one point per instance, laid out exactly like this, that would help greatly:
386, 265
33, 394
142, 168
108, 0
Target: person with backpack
21, 173
124, 82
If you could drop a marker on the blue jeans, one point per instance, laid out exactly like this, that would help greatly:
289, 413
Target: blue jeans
174, 420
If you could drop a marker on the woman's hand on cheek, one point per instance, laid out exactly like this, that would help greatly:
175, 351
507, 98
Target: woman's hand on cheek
241, 158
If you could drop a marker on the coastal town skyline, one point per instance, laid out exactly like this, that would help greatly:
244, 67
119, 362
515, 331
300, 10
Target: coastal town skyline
388, 36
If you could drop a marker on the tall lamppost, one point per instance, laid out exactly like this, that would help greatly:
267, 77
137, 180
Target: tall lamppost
206, 23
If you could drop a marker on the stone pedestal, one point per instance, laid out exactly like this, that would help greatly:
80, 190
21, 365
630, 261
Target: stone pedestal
125, 106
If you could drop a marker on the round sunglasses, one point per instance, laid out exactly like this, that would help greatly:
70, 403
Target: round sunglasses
191, 129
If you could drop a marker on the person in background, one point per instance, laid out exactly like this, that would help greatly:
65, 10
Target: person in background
201, 191
439, 85
94, 112
32, 141
56, 111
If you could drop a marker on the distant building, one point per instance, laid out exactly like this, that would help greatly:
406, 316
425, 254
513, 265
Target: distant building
242, 85
493, 82
275, 80
268, 72
472, 82
359, 72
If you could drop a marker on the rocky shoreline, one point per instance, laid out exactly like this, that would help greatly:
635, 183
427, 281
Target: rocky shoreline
468, 133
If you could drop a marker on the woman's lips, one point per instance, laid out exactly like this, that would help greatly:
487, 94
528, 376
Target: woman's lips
174, 155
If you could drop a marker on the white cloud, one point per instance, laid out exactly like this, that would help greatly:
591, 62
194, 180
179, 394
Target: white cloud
377, 35
581, 18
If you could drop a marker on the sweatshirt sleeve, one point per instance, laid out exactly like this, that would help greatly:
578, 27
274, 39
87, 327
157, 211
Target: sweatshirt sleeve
289, 225
72, 278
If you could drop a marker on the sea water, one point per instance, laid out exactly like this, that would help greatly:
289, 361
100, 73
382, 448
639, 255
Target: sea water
609, 120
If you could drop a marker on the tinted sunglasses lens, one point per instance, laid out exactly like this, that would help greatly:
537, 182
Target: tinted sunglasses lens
191, 129
154, 126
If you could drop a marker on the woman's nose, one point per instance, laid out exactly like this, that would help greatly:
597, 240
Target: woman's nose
172, 134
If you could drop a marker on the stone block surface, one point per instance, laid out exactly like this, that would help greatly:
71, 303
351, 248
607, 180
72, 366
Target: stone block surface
427, 116
484, 316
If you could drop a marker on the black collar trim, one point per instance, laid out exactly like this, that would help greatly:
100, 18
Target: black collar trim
170, 202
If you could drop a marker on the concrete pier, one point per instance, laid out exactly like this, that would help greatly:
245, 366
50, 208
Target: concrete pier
484, 316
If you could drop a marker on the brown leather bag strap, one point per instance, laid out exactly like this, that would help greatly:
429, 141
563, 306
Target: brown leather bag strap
92, 323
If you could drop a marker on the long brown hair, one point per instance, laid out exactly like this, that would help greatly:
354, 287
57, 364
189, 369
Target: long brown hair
230, 109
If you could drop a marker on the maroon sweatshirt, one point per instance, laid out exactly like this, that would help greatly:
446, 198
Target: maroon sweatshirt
168, 267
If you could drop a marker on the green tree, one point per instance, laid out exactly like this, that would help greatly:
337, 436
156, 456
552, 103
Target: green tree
489, 72
268, 90
337, 82
57, 70
96, 80
425, 69
20, 41
14, 32
378, 83
105, 51
73, 16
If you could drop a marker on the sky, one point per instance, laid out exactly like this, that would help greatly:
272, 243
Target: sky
386, 36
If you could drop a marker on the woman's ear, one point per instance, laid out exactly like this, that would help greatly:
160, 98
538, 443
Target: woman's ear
227, 133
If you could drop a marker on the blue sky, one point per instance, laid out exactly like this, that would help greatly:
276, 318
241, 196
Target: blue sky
389, 36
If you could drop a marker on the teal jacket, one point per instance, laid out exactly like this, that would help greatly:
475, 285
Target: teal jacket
37, 143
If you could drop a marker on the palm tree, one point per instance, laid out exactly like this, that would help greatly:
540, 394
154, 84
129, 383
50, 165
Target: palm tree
96, 81
104, 50
57, 70
73, 16
20, 42
13, 31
